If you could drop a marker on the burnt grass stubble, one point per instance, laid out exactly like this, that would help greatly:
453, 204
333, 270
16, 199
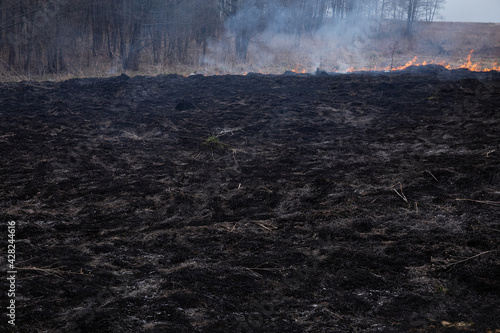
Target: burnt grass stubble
258, 203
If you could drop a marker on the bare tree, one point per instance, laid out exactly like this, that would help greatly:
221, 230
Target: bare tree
430, 8
412, 15
245, 19
52, 36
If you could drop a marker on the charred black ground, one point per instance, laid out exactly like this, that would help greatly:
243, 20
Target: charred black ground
347, 203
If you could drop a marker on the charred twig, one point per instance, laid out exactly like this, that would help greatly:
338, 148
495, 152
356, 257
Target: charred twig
55, 271
334, 314
430, 173
234, 157
401, 195
223, 131
280, 269
263, 226
260, 223
488, 228
269, 269
480, 201
469, 258
266, 190
254, 273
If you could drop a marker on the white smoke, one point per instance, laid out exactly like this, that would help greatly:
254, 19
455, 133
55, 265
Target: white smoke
290, 38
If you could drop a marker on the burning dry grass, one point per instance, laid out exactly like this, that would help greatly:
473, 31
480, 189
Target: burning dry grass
443, 43
446, 44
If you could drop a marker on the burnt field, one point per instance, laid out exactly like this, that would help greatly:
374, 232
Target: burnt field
261, 203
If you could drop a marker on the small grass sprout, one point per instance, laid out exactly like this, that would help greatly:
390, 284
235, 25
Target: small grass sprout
213, 142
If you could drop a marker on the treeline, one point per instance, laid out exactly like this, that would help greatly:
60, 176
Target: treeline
53, 36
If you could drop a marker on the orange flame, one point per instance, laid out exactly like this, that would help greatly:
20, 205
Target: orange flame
468, 64
299, 69
475, 67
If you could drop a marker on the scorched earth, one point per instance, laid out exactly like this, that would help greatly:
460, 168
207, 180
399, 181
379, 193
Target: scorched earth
261, 203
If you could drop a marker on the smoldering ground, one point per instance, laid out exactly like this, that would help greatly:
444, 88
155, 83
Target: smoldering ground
258, 203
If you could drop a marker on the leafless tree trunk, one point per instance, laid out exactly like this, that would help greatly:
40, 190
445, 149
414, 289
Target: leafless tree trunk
412, 15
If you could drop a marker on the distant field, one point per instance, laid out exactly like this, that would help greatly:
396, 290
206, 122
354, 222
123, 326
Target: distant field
458, 38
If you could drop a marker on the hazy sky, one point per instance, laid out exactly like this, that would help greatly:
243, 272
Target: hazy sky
472, 11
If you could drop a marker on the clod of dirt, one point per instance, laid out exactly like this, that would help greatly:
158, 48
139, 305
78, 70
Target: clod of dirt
184, 105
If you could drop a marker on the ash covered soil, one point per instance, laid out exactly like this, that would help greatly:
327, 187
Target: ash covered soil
290, 203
